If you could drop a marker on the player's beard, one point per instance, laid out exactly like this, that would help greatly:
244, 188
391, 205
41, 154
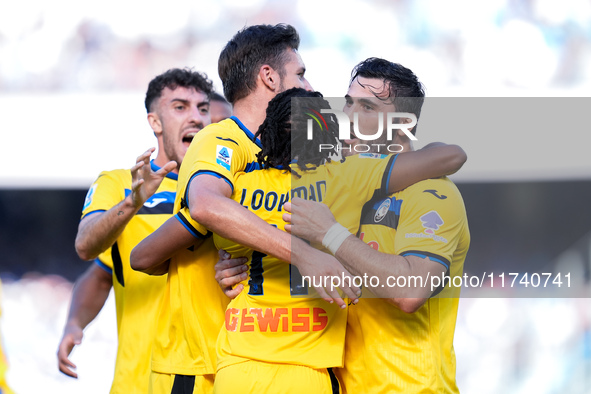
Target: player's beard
281, 79
174, 150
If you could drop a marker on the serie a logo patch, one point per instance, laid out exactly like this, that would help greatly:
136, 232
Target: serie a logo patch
223, 156
88, 199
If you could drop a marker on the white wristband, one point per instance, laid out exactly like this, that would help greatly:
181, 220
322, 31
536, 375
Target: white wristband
334, 238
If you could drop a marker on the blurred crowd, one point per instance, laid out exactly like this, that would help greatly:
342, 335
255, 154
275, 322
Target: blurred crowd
538, 44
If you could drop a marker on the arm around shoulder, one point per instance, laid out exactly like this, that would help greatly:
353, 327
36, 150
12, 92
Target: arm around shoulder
433, 161
211, 206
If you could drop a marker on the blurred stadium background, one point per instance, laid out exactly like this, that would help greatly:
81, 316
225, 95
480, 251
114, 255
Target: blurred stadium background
72, 82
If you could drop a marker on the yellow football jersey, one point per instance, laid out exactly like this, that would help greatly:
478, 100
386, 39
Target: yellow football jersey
191, 314
222, 150
137, 295
254, 376
265, 322
276, 308
388, 350
193, 309
346, 186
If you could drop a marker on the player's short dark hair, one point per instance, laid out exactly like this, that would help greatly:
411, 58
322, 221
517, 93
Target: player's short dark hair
215, 96
283, 134
406, 89
249, 49
174, 78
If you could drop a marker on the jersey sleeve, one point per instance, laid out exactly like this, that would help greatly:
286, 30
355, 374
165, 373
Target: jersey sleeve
369, 175
106, 192
196, 229
105, 261
432, 221
216, 151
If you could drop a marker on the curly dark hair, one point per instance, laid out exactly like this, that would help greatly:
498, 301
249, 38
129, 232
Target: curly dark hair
283, 134
248, 50
407, 91
174, 78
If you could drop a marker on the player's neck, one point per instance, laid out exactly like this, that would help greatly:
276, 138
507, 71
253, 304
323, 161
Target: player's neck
251, 111
407, 147
404, 142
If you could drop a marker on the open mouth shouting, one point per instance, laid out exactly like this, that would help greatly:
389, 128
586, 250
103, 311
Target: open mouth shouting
188, 137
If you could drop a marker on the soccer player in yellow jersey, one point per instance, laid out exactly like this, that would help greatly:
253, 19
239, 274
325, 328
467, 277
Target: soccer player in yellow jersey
121, 208
403, 340
271, 341
380, 331
265, 324
256, 64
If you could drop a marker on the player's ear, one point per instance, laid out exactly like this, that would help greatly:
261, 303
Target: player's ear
401, 133
155, 123
269, 77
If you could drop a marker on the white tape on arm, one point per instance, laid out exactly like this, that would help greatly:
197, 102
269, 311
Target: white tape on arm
334, 238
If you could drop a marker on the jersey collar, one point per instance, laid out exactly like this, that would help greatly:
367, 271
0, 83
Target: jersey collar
171, 175
248, 133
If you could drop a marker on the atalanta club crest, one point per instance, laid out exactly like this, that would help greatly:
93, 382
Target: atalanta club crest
382, 210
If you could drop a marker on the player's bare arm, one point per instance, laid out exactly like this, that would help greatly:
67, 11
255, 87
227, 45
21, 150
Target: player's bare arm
98, 231
315, 263
311, 220
362, 259
211, 206
433, 161
308, 220
231, 271
152, 255
88, 297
